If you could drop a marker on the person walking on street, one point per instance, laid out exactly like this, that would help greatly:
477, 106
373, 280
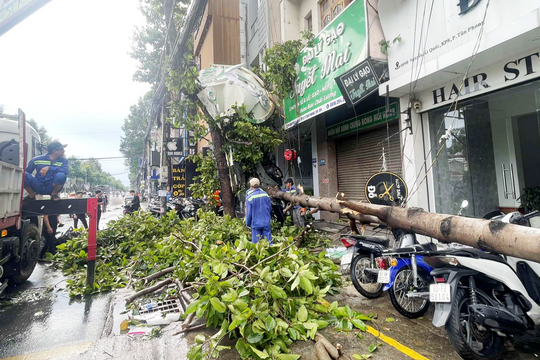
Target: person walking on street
298, 218
258, 212
51, 171
82, 216
105, 202
99, 204
50, 223
135, 202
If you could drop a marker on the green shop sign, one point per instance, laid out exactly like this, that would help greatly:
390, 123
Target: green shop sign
363, 121
339, 47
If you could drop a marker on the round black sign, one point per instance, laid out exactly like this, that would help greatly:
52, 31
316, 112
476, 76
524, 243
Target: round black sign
386, 188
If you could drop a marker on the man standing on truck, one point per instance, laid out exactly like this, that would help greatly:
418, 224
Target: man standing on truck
51, 171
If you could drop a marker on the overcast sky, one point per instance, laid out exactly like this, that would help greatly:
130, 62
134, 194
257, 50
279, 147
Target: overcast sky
67, 66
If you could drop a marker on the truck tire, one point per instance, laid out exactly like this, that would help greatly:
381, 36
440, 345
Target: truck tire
30, 252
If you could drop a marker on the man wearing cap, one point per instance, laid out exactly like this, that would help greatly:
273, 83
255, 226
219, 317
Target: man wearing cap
297, 217
258, 212
51, 171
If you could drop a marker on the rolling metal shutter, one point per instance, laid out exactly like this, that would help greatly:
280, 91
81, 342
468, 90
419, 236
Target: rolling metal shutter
359, 157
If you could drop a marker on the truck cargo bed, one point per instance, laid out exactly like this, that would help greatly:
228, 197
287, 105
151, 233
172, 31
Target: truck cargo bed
10, 193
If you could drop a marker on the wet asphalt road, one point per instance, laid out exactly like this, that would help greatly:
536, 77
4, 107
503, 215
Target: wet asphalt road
43, 317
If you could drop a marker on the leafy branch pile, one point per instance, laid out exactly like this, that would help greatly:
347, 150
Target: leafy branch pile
263, 296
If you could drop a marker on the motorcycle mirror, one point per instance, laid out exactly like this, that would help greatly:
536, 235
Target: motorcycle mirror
464, 204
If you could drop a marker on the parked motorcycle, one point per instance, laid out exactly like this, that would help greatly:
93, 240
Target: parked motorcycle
483, 298
367, 259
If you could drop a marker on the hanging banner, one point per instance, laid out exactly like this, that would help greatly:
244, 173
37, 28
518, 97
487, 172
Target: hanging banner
338, 48
363, 121
357, 83
14, 11
386, 188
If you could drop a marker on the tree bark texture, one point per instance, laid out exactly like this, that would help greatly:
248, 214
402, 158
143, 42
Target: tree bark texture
227, 198
489, 235
326, 204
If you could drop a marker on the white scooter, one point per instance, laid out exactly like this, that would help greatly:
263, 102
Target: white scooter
482, 298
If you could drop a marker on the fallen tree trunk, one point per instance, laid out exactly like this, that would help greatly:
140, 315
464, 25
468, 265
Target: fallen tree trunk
489, 235
326, 204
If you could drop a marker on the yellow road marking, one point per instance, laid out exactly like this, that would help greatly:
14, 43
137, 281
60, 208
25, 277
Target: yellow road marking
407, 351
54, 353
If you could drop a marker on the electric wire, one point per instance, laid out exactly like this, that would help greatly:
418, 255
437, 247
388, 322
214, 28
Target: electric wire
454, 103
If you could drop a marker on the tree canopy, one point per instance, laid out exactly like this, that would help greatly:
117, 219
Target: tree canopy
132, 142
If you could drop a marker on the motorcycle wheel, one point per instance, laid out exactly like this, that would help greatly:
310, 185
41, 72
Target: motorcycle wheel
360, 278
403, 283
485, 344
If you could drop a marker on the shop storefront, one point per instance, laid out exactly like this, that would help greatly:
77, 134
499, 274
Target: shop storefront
493, 152
360, 145
342, 141
473, 89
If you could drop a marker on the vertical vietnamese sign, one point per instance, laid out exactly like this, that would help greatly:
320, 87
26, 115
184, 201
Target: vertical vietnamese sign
14, 11
178, 180
339, 47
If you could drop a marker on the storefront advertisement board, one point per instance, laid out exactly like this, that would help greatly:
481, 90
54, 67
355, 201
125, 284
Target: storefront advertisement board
514, 70
338, 48
363, 121
357, 83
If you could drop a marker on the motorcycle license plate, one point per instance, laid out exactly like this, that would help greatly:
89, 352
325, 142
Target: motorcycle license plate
383, 277
439, 293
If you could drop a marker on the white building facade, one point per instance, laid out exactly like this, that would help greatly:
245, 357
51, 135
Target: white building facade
469, 73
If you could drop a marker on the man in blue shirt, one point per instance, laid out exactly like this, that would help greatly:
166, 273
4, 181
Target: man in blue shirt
298, 218
258, 212
51, 171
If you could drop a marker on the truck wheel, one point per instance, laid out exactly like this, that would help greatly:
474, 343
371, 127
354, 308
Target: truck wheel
30, 252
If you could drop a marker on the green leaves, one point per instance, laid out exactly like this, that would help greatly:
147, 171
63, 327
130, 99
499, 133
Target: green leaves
288, 357
218, 305
262, 354
192, 307
374, 347
270, 323
254, 338
306, 284
359, 324
258, 308
277, 292
302, 314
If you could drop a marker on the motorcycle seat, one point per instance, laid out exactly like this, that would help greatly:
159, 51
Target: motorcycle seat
373, 239
415, 248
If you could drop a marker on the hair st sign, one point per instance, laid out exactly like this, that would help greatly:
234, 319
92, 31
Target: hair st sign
14, 11
339, 47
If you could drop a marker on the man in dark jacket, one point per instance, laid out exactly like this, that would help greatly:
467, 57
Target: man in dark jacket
135, 202
99, 197
258, 212
51, 171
